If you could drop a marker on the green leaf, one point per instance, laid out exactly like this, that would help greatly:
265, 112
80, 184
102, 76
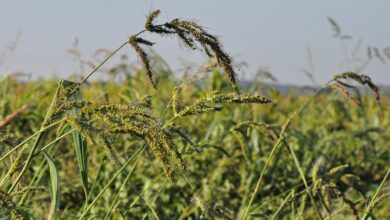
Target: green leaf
82, 159
80, 147
55, 188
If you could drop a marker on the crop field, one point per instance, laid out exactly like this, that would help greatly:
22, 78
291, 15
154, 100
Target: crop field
143, 143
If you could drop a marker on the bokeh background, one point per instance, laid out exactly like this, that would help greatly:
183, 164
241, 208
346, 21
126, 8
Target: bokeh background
285, 37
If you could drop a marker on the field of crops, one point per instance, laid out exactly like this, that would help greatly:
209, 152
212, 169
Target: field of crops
145, 144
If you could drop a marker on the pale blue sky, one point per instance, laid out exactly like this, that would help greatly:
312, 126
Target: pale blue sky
274, 33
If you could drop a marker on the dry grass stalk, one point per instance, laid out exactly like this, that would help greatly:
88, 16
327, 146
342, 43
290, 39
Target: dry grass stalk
12, 117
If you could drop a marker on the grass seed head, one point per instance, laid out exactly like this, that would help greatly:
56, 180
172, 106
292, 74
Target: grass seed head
200, 109
18, 163
237, 98
109, 119
190, 32
29, 190
340, 88
62, 103
363, 80
134, 42
149, 20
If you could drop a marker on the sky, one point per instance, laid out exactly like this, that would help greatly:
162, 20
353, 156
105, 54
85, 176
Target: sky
278, 35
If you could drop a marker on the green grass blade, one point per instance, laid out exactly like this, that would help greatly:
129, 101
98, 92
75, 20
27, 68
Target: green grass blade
55, 188
371, 205
301, 173
282, 205
80, 144
82, 159
94, 183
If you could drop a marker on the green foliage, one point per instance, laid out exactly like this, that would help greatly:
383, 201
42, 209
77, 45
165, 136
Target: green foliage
198, 150
347, 142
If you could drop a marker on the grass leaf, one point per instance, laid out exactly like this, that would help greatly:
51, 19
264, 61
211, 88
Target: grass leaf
55, 188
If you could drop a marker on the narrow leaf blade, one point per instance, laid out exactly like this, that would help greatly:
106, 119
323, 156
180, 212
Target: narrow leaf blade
55, 188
